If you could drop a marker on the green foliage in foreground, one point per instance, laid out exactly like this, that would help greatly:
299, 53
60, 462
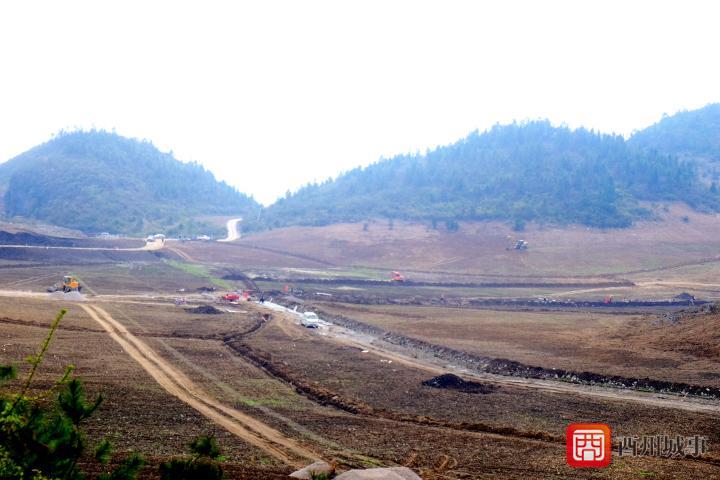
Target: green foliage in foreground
203, 465
43, 439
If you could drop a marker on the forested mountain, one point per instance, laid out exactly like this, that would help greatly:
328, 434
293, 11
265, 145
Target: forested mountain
99, 181
688, 134
521, 172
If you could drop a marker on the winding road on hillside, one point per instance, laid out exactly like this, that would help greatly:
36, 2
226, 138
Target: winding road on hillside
233, 232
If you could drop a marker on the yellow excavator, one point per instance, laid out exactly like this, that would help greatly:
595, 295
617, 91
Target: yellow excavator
69, 284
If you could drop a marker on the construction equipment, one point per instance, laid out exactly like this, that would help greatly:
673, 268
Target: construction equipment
513, 244
521, 245
396, 277
310, 320
69, 284
230, 297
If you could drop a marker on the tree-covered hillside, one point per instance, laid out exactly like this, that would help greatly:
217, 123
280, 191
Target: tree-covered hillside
520, 172
688, 134
99, 181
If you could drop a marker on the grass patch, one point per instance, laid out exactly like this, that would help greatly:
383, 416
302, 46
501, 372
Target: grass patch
200, 271
263, 402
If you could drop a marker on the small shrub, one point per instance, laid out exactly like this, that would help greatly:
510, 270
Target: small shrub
203, 465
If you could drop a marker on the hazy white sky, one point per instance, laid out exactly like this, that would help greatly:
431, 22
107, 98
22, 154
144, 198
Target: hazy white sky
270, 95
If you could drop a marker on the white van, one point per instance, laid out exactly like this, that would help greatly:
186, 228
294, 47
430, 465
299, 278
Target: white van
310, 320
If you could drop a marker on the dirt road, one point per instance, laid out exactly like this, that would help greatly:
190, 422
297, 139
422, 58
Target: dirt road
642, 285
16, 283
179, 385
149, 246
233, 230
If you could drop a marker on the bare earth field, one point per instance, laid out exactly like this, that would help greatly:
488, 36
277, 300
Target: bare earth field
480, 248
393, 386
278, 395
134, 420
137, 414
615, 344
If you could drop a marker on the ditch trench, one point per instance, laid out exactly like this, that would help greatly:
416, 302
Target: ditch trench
326, 397
512, 368
312, 390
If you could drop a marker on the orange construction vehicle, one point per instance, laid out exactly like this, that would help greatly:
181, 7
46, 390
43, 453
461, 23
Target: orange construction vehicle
396, 277
69, 284
230, 297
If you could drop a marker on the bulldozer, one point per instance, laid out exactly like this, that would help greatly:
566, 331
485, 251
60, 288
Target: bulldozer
69, 284
513, 244
521, 245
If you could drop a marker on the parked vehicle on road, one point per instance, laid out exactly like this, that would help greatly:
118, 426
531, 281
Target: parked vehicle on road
310, 320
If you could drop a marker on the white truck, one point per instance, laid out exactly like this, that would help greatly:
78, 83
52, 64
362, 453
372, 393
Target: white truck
310, 320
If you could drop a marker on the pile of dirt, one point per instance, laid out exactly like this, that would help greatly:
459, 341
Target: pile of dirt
453, 382
204, 309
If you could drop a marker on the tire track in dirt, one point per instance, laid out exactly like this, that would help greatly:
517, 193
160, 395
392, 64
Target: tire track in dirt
690, 263
181, 254
177, 384
713, 287
77, 328
285, 253
644, 285
61, 327
30, 279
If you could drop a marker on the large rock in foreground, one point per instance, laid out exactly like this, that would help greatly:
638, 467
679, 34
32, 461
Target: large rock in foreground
394, 473
313, 469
